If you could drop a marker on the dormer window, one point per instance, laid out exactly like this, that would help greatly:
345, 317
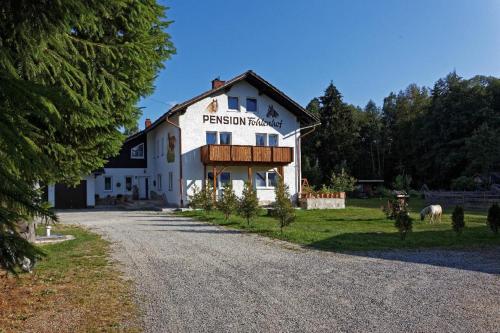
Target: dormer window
137, 152
251, 104
233, 103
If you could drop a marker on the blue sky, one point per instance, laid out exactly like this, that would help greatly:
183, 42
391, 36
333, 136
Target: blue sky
367, 48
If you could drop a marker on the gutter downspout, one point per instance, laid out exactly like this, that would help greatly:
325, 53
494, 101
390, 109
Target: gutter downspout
299, 157
181, 180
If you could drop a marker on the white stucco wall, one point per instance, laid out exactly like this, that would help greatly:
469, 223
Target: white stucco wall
51, 191
194, 136
90, 191
118, 176
158, 163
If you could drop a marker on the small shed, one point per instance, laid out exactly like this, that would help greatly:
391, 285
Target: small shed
369, 186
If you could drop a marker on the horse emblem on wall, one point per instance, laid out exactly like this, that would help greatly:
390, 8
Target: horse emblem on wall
271, 112
213, 106
171, 148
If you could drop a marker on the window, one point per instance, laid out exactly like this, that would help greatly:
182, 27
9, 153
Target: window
225, 138
170, 180
108, 184
260, 179
210, 179
273, 140
137, 152
272, 179
158, 182
162, 146
211, 138
266, 179
251, 104
222, 179
128, 183
157, 147
260, 139
232, 103
263, 139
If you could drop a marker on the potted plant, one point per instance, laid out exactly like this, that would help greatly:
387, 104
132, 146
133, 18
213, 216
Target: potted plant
307, 191
325, 191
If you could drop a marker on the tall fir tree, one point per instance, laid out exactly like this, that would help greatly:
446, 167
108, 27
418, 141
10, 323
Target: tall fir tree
310, 146
71, 73
337, 133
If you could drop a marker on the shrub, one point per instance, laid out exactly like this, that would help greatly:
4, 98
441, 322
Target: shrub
342, 182
283, 209
202, 199
404, 223
402, 183
248, 205
457, 220
463, 183
195, 198
384, 191
325, 189
394, 207
493, 219
228, 201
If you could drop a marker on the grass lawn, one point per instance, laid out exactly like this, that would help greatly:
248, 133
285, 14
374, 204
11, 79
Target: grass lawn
362, 226
73, 289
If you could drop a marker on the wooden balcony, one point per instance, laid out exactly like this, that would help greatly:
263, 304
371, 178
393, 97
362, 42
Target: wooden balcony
246, 155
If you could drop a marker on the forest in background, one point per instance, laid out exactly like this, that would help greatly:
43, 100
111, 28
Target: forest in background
440, 136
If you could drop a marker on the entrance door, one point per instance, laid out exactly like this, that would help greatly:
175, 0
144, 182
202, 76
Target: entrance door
143, 188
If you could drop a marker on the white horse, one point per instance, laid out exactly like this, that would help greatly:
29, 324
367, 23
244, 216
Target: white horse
434, 211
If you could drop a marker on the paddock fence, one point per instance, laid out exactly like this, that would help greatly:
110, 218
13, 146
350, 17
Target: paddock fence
468, 200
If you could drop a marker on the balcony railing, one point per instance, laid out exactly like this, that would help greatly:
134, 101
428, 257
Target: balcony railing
246, 155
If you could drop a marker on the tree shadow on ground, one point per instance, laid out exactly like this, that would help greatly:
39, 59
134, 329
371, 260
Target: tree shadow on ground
174, 224
361, 219
197, 231
474, 252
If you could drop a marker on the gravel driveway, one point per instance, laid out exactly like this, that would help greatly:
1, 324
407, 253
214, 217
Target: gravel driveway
193, 277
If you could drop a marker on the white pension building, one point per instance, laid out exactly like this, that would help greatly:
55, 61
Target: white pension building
241, 130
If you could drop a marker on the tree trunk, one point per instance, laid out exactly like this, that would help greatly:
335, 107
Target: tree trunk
373, 160
31, 232
27, 230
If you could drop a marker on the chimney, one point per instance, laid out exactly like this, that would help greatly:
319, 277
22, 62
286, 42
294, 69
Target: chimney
217, 83
147, 123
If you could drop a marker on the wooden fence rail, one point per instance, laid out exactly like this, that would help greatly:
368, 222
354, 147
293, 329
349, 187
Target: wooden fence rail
468, 200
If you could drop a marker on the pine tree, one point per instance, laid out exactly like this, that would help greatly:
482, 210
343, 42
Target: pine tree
342, 182
248, 205
202, 199
283, 209
404, 223
228, 202
457, 220
337, 133
71, 73
493, 218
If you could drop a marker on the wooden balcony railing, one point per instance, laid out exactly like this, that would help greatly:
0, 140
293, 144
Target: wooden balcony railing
246, 155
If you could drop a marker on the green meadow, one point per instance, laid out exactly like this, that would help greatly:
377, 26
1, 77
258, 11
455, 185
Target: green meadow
361, 226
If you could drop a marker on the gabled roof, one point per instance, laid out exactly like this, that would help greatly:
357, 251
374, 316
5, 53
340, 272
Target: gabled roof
135, 135
262, 86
